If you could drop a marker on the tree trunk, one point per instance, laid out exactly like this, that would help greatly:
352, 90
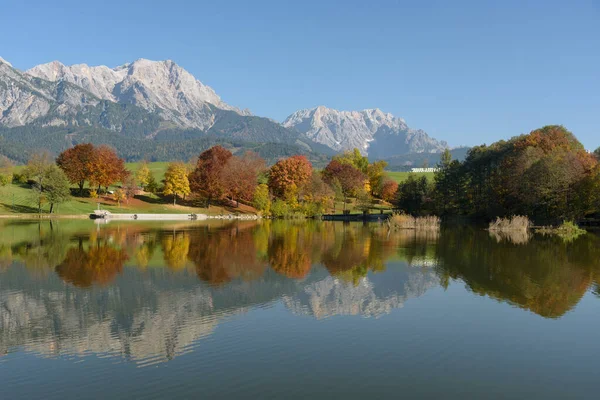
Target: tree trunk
51, 207
174, 199
81, 187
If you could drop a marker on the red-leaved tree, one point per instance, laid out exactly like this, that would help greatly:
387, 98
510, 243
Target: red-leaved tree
240, 175
78, 163
349, 178
207, 176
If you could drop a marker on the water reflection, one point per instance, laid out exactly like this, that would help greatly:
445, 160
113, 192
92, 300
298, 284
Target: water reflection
547, 276
147, 293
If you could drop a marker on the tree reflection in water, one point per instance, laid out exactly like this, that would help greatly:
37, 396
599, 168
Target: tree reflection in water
99, 264
541, 274
177, 282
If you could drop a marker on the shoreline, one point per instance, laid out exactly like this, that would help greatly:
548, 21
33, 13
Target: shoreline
164, 217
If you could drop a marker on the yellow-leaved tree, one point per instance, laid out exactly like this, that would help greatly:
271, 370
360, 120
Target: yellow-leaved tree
176, 181
143, 174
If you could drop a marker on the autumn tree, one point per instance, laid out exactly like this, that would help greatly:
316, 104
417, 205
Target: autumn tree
143, 174
389, 188
207, 176
107, 168
376, 175
289, 174
129, 187
316, 195
240, 175
176, 181
78, 163
349, 178
119, 196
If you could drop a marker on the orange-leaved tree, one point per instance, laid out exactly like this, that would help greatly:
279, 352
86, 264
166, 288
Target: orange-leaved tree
289, 174
107, 168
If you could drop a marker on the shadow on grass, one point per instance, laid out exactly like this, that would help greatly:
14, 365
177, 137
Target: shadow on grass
21, 209
151, 200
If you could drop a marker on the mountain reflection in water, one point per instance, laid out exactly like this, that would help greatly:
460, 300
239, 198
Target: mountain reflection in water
147, 292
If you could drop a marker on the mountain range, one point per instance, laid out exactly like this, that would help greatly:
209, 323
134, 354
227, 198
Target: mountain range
157, 110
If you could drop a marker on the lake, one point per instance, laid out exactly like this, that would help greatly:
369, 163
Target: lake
295, 310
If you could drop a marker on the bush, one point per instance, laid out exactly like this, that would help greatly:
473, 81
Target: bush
19, 178
313, 209
280, 209
4, 180
568, 231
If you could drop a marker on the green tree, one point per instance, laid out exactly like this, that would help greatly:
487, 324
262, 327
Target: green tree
56, 187
6, 168
176, 181
262, 200
355, 159
152, 185
37, 170
38, 166
414, 194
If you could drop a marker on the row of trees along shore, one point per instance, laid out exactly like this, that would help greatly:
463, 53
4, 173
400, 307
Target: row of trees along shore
546, 175
290, 187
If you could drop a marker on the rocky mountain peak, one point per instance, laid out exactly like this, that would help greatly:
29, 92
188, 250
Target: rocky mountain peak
371, 130
3, 61
161, 86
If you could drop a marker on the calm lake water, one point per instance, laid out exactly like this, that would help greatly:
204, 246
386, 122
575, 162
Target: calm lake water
294, 310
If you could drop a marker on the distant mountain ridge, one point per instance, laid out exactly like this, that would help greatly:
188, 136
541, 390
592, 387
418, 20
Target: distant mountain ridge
136, 104
160, 86
375, 133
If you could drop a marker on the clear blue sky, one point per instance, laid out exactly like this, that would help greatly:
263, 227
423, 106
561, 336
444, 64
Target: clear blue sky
465, 71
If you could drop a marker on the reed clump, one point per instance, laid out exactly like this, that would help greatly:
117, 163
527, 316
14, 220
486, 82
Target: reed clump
510, 224
405, 221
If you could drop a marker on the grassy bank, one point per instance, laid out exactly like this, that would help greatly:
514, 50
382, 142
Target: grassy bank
401, 176
16, 201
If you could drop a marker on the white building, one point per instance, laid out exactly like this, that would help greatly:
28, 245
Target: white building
424, 169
